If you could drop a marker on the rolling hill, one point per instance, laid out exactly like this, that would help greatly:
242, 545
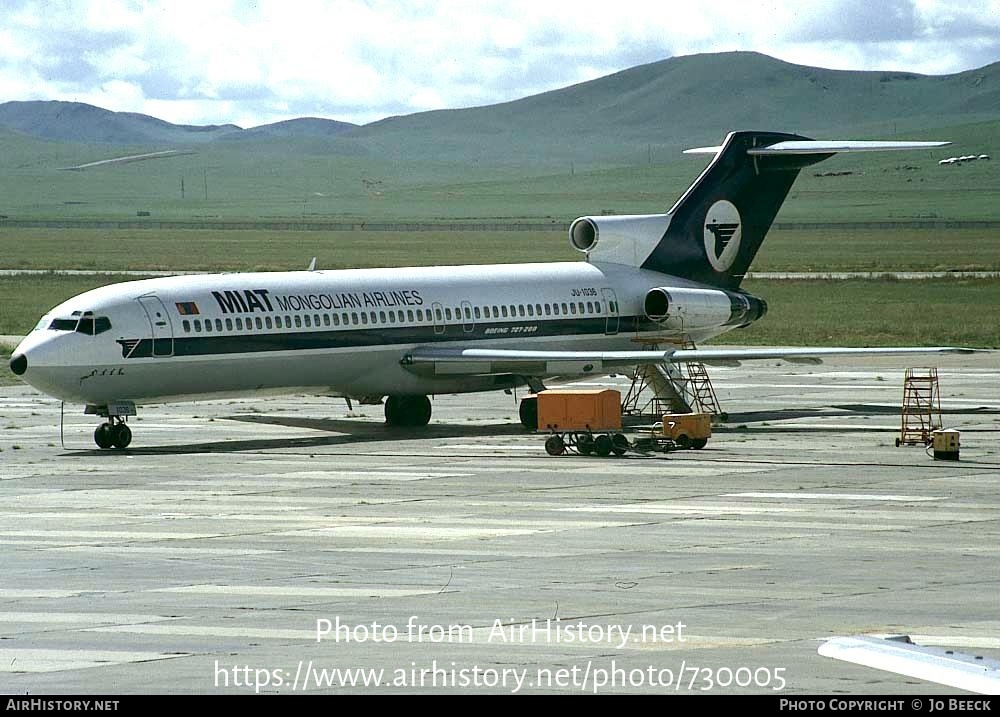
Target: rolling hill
610, 144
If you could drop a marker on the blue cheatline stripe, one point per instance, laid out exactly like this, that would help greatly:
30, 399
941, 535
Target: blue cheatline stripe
209, 345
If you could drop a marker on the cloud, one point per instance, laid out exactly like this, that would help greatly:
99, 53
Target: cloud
216, 61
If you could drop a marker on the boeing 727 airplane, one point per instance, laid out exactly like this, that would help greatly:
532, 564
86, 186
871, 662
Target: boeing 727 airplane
407, 334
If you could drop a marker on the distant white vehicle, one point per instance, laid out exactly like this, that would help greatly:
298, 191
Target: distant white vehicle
984, 156
950, 160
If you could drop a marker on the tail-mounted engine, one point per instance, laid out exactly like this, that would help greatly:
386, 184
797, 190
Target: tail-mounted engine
690, 309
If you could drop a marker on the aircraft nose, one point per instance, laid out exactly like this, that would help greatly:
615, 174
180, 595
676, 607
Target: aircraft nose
19, 364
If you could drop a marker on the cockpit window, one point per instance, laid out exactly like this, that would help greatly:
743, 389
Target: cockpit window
87, 324
63, 324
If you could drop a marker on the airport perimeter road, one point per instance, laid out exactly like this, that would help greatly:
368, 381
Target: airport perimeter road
204, 559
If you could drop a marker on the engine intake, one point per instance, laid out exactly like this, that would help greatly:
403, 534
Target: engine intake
583, 234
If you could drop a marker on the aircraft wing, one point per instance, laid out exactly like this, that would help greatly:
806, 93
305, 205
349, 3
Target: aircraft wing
899, 655
434, 361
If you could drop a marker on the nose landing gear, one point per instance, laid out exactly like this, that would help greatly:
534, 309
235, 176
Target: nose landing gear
114, 434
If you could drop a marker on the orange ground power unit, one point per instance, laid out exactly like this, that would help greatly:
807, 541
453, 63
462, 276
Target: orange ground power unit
596, 410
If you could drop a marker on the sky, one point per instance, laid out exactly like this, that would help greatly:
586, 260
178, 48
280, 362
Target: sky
251, 63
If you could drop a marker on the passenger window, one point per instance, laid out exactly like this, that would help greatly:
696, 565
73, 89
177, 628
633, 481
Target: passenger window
438, 312
187, 326
503, 310
447, 314
548, 310
308, 321
381, 316
531, 310
520, 310
316, 320
298, 322
267, 322
208, 325
468, 314
392, 317
239, 324
590, 307
538, 309
565, 309
336, 319
478, 315
373, 317
229, 324
364, 318
260, 324
555, 309
197, 326
409, 315
572, 308
218, 324
354, 319
581, 307
513, 310
496, 313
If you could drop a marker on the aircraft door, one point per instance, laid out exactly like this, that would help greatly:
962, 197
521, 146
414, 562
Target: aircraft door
159, 324
613, 320
438, 312
468, 322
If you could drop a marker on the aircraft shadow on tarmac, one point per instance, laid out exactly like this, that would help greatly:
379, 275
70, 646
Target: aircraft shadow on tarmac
354, 432
348, 432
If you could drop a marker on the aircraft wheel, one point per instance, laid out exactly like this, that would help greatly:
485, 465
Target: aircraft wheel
699, 443
619, 444
555, 446
528, 413
104, 436
603, 445
585, 444
121, 436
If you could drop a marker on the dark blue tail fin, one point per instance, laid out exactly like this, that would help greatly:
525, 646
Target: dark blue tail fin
716, 228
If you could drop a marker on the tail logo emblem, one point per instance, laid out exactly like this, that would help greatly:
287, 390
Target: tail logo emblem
723, 232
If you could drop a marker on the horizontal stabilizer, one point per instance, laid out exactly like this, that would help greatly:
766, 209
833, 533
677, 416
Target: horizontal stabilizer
835, 146
832, 146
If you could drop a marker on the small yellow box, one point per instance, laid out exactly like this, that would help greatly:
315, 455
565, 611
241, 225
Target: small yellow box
946, 444
688, 429
594, 410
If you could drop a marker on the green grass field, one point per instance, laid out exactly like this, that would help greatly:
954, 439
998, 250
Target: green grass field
231, 250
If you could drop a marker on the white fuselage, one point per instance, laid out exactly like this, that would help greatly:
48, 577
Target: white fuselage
335, 332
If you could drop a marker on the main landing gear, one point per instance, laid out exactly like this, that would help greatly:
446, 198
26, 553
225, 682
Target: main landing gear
113, 434
407, 411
